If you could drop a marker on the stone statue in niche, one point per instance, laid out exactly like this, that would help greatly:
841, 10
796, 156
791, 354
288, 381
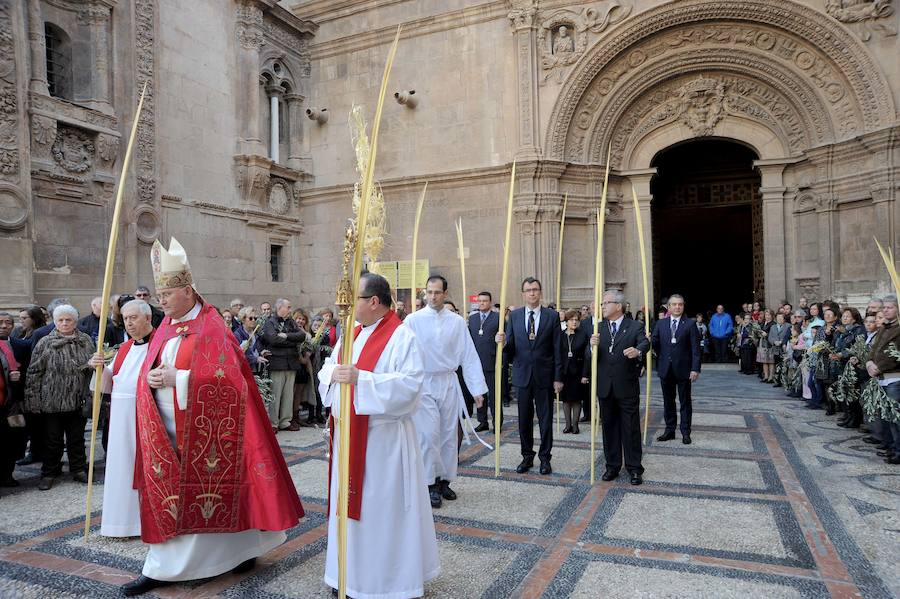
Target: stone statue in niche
864, 13
563, 42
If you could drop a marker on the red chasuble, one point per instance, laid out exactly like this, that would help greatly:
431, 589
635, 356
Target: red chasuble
227, 473
359, 425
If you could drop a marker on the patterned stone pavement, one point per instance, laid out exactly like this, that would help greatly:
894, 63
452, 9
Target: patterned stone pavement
771, 500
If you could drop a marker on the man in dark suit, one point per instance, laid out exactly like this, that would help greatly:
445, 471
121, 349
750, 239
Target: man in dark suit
676, 342
620, 346
532, 340
483, 327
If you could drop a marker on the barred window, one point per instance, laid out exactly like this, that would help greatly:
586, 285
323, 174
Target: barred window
275, 262
59, 62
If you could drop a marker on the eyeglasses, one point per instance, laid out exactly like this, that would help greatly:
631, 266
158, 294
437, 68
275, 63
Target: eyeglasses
364, 296
251, 318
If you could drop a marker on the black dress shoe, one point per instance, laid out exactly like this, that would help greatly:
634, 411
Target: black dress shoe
884, 454
434, 495
666, 436
245, 566
525, 465
610, 474
871, 440
686, 439
482, 426
46, 483
575, 430
636, 478
585, 419
882, 446
80, 477
446, 492
545, 468
892, 460
567, 430
142, 584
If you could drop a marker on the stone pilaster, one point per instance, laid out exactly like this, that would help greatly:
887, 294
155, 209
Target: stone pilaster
640, 181
38, 47
522, 16
296, 158
249, 31
774, 219
96, 17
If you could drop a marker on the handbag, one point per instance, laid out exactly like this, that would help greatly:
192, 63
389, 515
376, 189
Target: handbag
14, 417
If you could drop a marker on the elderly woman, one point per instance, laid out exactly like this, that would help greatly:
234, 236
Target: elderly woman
246, 335
303, 395
573, 348
57, 387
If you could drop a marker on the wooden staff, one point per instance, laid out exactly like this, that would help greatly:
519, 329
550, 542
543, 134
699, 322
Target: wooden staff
343, 424
559, 255
498, 361
640, 232
598, 316
462, 267
888, 257
104, 307
415, 247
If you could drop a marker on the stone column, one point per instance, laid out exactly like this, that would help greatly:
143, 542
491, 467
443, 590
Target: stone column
275, 93
294, 107
774, 222
639, 179
96, 17
249, 22
38, 46
522, 17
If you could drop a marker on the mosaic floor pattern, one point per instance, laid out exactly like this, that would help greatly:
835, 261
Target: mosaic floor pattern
770, 500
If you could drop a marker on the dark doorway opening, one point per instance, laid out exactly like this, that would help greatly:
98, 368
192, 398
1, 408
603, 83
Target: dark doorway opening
707, 225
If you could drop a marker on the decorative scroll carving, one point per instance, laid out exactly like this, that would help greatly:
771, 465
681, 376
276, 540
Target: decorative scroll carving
249, 20
73, 149
563, 35
864, 13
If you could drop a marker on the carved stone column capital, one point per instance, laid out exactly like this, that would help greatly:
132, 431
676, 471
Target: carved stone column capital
521, 14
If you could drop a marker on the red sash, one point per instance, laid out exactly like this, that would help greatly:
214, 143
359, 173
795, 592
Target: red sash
359, 425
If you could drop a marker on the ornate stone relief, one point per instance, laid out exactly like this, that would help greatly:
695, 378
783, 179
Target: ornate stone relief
796, 47
809, 288
563, 35
281, 196
107, 150
521, 13
9, 104
145, 61
866, 14
249, 19
73, 149
13, 207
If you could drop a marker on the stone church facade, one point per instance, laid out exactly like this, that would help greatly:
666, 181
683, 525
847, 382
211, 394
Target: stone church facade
760, 137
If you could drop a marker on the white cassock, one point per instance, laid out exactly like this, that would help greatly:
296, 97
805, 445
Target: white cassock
189, 557
121, 510
446, 345
392, 548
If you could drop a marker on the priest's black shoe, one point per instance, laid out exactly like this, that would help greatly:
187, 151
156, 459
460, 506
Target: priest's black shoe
434, 494
610, 474
892, 460
142, 584
525, 466
871, 440
482, 426
686, 439
545, 467
666, 436
884, 454
245, 566
636, 478
446, 492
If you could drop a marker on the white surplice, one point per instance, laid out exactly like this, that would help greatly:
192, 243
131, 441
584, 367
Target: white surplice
193, 556
121, 511
392, 548
446, 345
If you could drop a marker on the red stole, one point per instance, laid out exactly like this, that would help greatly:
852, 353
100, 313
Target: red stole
123, 352
226, 473
359, 425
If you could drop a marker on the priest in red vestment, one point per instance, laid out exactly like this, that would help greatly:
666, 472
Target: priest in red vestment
215, 492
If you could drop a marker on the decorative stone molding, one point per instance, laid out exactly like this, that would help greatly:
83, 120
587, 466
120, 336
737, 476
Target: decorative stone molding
13, 207
73, 149
563, 35
147, 224
784, 37
249, 22
252, 179
107, 150
9, 102
93, 14
810, 288
867, 14
521, 13
86, 118
145, 63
